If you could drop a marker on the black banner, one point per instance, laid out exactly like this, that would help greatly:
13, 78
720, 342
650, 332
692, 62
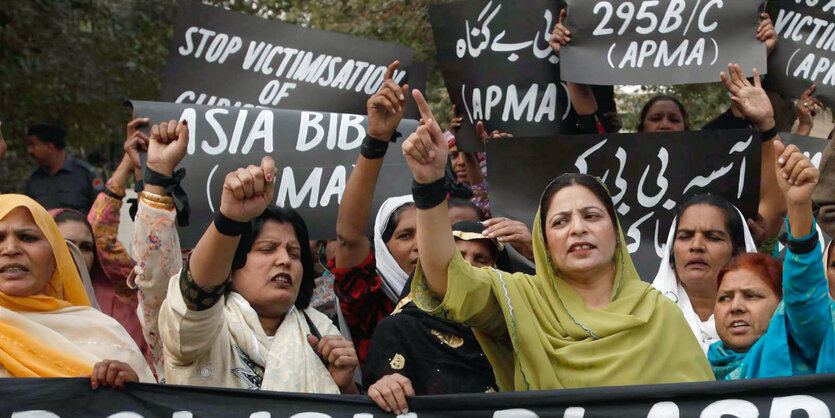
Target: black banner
660, 42
648, 174
223, 58
808, 396
313, 151
499, 67
805, 52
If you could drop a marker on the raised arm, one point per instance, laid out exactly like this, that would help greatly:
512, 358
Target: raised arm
426, 153
156, 244
246, 194
753, 103
805, 289
104, 216
385, 110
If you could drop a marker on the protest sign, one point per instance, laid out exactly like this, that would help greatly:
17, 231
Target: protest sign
499, 67
805, 52
313, 151
660, 42
222, 58
809, 396
648, 175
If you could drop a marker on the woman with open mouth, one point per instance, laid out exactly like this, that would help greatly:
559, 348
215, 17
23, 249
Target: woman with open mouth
237, 315
585, 319
703, 238
47, 324
768, 328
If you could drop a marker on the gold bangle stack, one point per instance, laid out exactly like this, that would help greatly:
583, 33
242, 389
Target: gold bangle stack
157, 201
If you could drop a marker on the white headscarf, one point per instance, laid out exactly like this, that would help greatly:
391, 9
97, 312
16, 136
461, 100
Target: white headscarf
667, 283
393, 277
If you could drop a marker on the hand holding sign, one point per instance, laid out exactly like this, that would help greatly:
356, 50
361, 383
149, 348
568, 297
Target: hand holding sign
136, 141
751, 98
484, 136
248, 191
167, 146
796, 175
560, 35
386, 107
426, 149
766, 33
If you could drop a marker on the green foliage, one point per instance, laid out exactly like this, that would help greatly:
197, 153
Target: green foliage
73, 63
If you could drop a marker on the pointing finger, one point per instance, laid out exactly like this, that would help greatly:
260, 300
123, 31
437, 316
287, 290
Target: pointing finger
423, 106
390, 70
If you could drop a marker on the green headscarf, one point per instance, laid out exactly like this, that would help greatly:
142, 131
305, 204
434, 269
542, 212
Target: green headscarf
553, 341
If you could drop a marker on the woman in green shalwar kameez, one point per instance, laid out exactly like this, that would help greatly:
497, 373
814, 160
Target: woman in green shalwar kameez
584, 320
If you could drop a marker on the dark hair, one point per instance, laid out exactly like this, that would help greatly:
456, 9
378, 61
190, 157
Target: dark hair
457, 202
733, 223
394, 219
49, 133
72, 215
766, 267
660, 98
572, 179
281, 215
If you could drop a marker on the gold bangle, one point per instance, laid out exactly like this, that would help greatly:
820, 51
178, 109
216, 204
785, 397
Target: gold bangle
167, 201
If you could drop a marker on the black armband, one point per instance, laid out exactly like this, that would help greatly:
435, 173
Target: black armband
769, 134
429, 195
803, 246
229, 227
172, 187
373, 149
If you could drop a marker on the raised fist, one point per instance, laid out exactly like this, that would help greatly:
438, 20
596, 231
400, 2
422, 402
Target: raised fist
248, 191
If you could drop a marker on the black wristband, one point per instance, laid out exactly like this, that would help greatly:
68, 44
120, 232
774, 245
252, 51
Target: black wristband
805, 246
112, 194
172, 187
769, 134
373, 149
429, 195
229, 227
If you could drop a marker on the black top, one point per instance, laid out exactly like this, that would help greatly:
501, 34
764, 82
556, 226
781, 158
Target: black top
439, 357
74, 186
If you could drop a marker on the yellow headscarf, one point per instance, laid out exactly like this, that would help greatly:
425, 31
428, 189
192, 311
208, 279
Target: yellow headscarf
554, 341
22, 354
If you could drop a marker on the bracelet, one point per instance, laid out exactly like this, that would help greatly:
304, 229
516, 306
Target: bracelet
166, 201
373, 149
768, 135
429, 195
229, 227
112, 194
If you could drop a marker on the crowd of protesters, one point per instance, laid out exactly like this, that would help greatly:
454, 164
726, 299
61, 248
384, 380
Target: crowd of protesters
443, 297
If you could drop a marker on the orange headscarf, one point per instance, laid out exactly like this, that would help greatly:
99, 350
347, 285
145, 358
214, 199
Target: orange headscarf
24, 355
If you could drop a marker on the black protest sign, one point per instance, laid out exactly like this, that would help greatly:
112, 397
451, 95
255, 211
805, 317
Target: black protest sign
648, 174
811, 147
660, 42
313, 151
223, 58
499, 67
810, 395
805, 52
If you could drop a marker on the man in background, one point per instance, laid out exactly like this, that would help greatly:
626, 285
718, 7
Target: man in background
60, 181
